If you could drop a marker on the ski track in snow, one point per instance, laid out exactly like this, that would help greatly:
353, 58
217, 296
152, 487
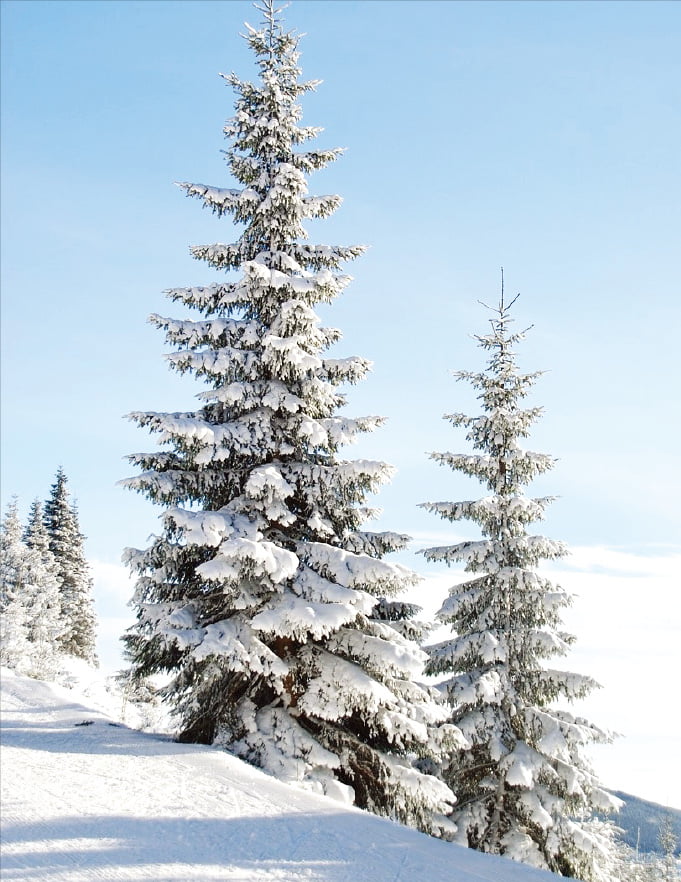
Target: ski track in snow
105, 802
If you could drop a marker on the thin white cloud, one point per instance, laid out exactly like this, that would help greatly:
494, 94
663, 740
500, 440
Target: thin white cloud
661, 561
113, 587
111, 579
430, 538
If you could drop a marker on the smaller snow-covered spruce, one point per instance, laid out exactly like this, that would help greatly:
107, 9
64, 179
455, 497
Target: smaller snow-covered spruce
524, 788
14, 646
47, 625
264, 597
66, 543
29, 602
668, 844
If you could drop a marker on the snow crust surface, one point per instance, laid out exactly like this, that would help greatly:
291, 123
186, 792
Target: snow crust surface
86, 798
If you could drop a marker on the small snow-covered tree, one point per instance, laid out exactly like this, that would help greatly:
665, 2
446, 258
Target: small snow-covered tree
45, 623
30, 602
525, 789
66, 544
668, 843
633, 866
263, 595
14, 646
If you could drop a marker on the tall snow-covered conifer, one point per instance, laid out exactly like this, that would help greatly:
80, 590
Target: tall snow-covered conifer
263, 596
66, 543
524, 788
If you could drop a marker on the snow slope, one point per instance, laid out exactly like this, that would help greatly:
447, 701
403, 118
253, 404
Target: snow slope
105, 802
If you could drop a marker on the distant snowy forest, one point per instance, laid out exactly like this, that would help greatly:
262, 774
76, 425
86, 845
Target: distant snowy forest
46, 595
269, 620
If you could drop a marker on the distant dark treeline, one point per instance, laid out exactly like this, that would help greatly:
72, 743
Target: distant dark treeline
641, 821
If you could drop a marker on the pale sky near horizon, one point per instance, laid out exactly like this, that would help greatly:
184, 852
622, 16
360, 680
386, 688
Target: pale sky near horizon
543, 137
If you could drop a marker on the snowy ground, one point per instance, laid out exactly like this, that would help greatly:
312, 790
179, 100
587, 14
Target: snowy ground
105, 802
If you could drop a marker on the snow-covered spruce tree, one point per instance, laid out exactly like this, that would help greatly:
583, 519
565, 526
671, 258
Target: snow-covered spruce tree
66, 543
45, 622
30, 603
14, 646
263, 596
525, 789
668, 843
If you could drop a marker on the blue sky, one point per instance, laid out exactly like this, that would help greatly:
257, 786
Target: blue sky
539, 136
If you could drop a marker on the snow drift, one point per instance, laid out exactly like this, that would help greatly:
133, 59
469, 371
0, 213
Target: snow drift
86, 798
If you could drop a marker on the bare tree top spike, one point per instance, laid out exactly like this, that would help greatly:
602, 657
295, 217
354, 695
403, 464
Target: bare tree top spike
271, 14
502, 310
503, 307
